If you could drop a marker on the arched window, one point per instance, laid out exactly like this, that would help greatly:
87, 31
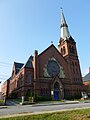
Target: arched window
61, 50
46, 91
70, 50
64, 50
41, 91
73, 50
56, 86
76, 67
73, 67
73, 64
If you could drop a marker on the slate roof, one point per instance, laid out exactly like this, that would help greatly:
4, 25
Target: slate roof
29, 64
87, 77
18, 66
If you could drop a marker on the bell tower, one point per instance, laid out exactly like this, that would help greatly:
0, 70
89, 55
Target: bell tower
67, 47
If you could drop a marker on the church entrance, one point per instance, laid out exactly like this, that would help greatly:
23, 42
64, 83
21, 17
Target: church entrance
56, 91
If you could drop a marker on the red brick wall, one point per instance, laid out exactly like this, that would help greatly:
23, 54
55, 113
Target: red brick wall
52, 52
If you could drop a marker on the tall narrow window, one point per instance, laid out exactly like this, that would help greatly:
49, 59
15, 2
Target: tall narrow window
76, 67
73, 50
73, 67
70, 49
64, 50
61, 50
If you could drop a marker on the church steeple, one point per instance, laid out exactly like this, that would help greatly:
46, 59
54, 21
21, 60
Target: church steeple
64, 28
67, 45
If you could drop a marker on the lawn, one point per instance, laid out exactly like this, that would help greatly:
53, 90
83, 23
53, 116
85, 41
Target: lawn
65, 115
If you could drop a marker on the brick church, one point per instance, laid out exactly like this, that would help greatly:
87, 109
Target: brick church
55, 72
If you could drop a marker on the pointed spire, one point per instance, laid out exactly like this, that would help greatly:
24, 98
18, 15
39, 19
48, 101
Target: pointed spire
63, 21
64, 28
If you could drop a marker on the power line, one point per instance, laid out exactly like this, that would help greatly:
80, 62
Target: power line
4, 66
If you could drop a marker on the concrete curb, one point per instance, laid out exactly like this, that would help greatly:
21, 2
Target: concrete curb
2, 107
56, 103
46, 104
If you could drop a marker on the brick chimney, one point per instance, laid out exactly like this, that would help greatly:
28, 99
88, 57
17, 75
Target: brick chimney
36, 73
35, 64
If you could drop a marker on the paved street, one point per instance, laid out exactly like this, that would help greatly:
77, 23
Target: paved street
19, 109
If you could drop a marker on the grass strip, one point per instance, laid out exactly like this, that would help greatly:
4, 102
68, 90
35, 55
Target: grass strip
83, 114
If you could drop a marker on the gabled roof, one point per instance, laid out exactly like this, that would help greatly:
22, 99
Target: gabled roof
18, 66
55, 49
87, 77
29, 64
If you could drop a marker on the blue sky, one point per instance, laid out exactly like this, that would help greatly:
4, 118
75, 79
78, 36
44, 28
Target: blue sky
28, 25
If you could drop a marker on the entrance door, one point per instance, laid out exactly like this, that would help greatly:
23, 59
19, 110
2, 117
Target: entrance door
56, 91
56, 95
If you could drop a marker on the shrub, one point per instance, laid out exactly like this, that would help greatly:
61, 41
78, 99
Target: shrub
1, 102
13, 95
43, 98
28, 94
72, 97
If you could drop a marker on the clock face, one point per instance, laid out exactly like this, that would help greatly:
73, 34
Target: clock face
53, 68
